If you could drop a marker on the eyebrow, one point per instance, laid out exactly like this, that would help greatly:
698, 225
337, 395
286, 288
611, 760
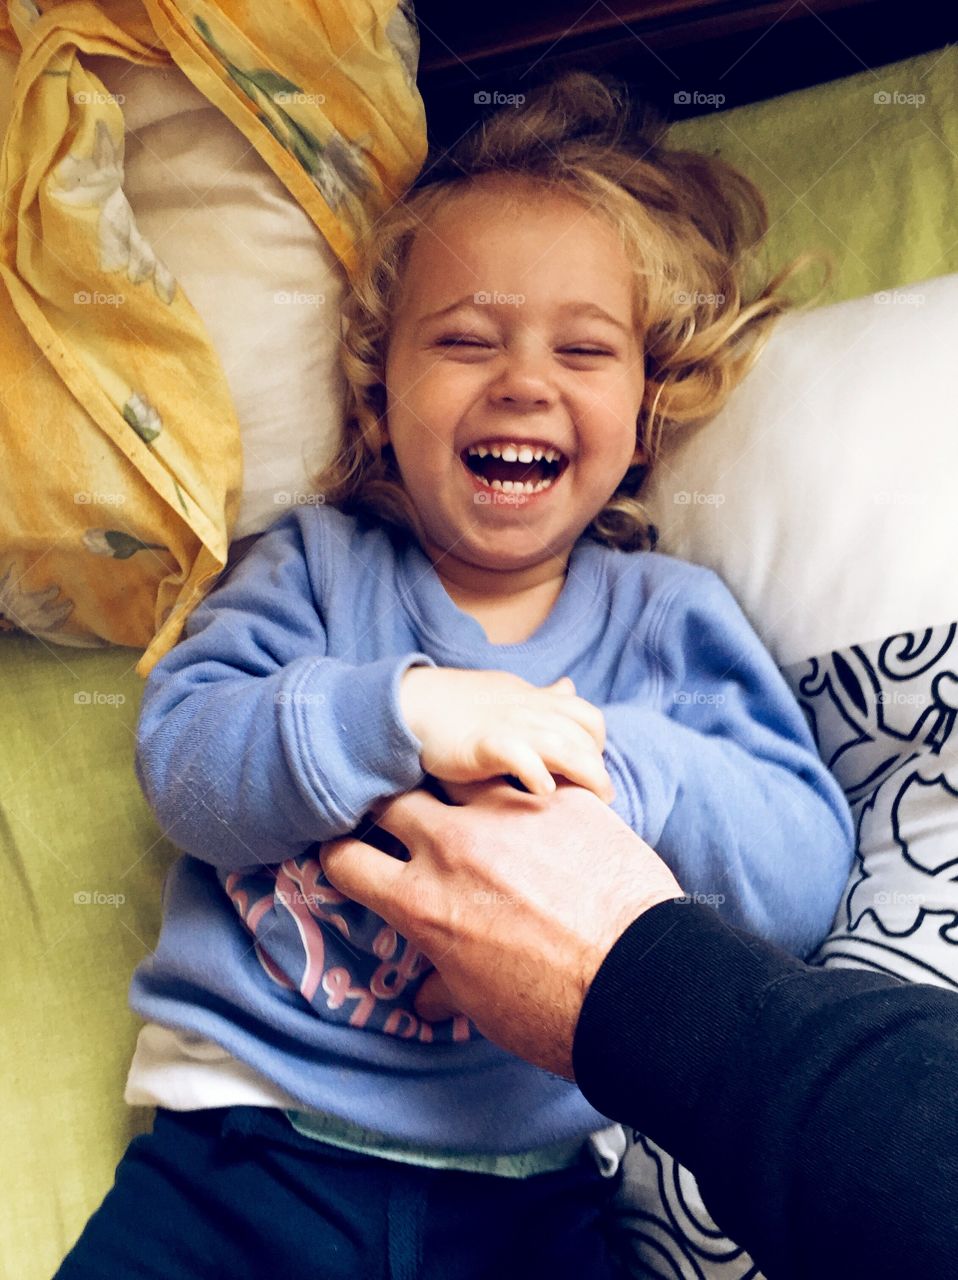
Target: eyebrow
591, 309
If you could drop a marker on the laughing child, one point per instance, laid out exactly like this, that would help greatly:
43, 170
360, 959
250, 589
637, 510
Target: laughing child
478, 595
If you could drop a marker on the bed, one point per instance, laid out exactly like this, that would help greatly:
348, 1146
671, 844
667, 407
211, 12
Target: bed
832, 527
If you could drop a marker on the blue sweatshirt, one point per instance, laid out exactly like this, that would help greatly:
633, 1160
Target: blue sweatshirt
275, 725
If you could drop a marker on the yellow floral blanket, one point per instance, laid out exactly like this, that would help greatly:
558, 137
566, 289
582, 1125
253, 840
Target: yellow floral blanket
119, 442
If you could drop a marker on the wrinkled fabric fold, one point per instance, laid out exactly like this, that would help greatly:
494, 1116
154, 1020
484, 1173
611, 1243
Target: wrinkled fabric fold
116, 419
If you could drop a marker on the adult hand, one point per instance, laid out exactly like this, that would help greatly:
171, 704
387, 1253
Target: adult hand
515, 898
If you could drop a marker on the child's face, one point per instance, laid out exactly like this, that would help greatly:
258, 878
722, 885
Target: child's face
537, 347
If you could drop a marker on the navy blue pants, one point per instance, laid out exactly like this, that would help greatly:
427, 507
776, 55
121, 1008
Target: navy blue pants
236, 1192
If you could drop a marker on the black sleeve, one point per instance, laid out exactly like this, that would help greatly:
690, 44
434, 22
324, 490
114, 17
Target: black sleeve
817, 1108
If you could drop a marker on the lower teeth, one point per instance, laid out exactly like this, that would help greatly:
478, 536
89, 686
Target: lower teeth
516, 486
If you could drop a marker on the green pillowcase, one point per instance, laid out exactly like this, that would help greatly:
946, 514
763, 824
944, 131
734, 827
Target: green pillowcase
872, 182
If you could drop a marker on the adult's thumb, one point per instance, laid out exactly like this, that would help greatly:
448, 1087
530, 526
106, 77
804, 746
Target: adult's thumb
433, 1001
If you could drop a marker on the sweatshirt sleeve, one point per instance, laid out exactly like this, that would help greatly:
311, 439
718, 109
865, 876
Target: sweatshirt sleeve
721, 775
252, 742
814, 1106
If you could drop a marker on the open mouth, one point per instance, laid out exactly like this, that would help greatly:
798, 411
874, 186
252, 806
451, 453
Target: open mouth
515, 468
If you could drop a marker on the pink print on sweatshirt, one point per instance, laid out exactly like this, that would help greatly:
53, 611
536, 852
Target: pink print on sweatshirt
346, 962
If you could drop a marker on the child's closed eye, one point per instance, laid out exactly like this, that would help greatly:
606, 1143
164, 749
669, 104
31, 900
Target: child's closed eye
468, 341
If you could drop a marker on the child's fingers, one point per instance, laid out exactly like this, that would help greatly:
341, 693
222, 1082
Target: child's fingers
525, 762
562, 685
568, 734
585, 715
586, 768
593, 779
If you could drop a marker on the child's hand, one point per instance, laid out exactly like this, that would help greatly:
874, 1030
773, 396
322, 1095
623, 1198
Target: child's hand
476, 725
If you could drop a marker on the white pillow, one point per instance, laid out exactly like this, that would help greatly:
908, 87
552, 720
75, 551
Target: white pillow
823, 494
262, 278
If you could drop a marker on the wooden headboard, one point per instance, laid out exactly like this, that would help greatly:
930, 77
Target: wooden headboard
688, 57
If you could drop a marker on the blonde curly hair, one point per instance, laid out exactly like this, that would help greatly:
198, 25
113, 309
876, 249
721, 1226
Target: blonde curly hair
690, 223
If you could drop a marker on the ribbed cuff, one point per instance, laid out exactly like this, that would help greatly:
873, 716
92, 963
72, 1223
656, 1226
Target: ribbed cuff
380, 753
667, 1015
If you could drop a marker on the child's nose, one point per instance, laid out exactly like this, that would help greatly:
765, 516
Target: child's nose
525, 378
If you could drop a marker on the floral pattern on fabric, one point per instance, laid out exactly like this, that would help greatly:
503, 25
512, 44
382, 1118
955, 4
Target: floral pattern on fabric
108, 370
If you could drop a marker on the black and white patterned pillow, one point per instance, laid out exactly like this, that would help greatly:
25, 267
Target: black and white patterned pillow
883, 716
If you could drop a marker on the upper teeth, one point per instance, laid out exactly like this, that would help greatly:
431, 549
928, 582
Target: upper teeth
515, 452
